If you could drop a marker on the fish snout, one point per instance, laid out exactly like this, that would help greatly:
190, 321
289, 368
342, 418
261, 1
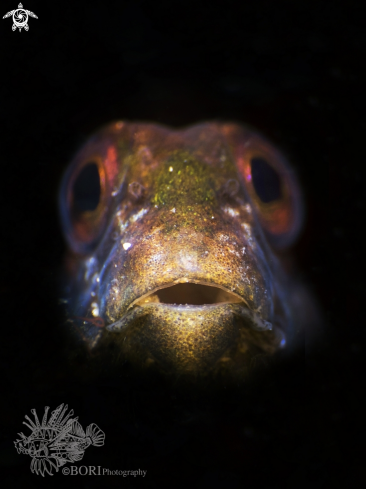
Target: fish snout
188, 301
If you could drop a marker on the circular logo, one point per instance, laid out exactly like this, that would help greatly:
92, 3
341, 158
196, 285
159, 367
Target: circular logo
20, 17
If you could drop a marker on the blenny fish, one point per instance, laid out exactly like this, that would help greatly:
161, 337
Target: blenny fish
178, 247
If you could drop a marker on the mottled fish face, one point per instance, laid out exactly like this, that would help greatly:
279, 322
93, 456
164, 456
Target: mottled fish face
173, 239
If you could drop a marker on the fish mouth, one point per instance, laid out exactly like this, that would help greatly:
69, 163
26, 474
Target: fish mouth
192, 293
193, 327
194, 296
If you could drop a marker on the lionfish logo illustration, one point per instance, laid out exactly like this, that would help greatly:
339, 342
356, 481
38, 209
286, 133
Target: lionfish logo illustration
57, 441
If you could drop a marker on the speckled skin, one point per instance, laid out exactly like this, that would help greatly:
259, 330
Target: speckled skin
176, 209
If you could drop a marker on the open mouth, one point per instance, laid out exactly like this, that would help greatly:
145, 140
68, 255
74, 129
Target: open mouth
192, 327
186, 296
194, 294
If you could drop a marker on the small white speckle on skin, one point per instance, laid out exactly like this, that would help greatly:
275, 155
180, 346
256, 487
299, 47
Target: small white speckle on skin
138, 215
172, 210
247, 208
126, 246
95, 309
232, 212
188, 260
123, 226
170, 168
234, 252
212, 217
90, 266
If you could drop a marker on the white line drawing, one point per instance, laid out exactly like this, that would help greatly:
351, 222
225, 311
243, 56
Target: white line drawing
57, 441
20, 17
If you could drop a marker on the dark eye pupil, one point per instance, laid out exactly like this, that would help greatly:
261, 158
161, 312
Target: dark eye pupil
266, 181
86, 190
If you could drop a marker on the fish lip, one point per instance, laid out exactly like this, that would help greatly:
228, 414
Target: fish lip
253, 320
240, 307
187, 281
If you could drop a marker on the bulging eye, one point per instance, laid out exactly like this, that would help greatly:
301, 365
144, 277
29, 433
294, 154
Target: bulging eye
273, 188
84, 203
86, 191
266, 180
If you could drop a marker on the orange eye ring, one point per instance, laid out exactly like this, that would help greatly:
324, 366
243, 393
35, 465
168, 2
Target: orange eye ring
280, 216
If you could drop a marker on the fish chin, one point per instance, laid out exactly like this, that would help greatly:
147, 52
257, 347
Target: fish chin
194, 339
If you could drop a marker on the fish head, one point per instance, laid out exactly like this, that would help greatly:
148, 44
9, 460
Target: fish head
175, 243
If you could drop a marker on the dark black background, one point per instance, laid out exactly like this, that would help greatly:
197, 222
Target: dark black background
294, 70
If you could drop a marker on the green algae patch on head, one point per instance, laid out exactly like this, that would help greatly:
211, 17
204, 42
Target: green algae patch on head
183, 181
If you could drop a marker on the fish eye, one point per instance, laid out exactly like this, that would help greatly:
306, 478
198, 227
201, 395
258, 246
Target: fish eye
86, 190
273, 189
266, 180
84, 202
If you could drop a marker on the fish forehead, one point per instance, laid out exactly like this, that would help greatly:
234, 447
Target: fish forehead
180, 171
196, 161
207, 142
148, 145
